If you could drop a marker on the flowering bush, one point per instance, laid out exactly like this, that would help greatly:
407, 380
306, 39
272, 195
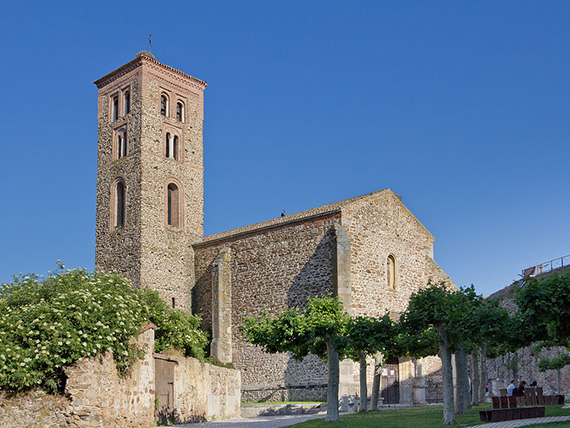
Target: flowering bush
176, 329
49, 323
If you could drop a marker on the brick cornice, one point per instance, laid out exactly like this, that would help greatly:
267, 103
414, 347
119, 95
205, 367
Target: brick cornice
145, 58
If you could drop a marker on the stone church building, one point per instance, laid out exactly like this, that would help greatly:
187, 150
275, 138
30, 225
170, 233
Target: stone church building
369, 250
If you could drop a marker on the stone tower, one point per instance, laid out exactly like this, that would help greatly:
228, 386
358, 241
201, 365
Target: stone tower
150, 195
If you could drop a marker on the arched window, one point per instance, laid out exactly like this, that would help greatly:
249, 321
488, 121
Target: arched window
115, 111
171, 146
180, 111
391, 272
127, 101
172, 206
122, 145
175, 147
164, 105
118, 203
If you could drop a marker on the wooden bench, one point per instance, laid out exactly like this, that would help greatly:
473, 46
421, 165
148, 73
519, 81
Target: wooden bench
511, 414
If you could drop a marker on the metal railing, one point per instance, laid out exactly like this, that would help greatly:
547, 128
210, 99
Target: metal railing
548, 266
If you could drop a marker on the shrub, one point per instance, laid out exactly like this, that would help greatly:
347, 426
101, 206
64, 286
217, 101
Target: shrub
49, 323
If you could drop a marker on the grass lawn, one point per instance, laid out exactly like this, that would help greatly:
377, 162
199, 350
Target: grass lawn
424, 417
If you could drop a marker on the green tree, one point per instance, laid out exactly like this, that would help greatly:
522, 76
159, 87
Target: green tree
319, 330
455, 316
368, 336
544, 309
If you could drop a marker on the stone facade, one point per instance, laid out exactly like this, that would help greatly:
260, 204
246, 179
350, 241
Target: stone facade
370, 251
146, 248
340, 248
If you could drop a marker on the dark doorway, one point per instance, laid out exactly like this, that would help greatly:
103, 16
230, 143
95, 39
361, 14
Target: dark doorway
390, 381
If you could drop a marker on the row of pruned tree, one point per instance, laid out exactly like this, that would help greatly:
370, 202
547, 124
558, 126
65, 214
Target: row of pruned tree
439, 321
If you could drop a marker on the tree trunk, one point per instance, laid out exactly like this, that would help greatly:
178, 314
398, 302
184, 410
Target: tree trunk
462, 377
447, 370
332, 389
483, 388
378, 360
475, 380
363, 385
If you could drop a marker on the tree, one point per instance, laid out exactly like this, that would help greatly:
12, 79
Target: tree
544, 307
368, 336
319, 330
457, 317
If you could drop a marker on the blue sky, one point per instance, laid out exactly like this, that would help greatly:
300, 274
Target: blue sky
462, 108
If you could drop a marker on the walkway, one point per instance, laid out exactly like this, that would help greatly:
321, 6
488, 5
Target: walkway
259, 422
283, 421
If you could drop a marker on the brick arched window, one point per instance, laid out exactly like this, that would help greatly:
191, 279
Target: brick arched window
180, 111
121, 144
127, 101
115, 107
171, 146
174, 204
391, 272
164, 105
118, 203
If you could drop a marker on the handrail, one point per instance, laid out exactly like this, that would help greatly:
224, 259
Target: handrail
545, 267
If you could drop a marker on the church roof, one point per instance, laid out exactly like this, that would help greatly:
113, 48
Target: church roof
332, 209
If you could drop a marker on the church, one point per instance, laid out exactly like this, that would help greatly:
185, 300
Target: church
369, 250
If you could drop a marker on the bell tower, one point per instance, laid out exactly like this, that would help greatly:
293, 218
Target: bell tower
150, 197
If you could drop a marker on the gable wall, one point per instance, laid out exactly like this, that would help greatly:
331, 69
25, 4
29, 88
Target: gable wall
271, 270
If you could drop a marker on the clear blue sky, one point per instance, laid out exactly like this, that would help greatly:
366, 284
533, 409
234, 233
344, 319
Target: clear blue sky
462, 108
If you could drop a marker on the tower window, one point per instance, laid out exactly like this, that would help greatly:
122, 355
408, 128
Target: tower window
127, 101
115, 108
164, 105
391, 272
118, 203
180, 111
122, 145
173, 206
171, 146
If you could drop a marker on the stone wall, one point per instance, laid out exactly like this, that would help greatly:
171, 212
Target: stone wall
341, 248
98, 397
522, 365
272, 270
204, 391
380, 226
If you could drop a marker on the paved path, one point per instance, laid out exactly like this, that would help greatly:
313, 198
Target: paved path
259, 422
283, 421
526, 422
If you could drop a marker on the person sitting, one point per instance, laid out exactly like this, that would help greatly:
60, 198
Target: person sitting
519, 391
511, 388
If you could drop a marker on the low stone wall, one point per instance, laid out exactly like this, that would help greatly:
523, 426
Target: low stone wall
281, 393
98, 397
33, 410
203, 391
